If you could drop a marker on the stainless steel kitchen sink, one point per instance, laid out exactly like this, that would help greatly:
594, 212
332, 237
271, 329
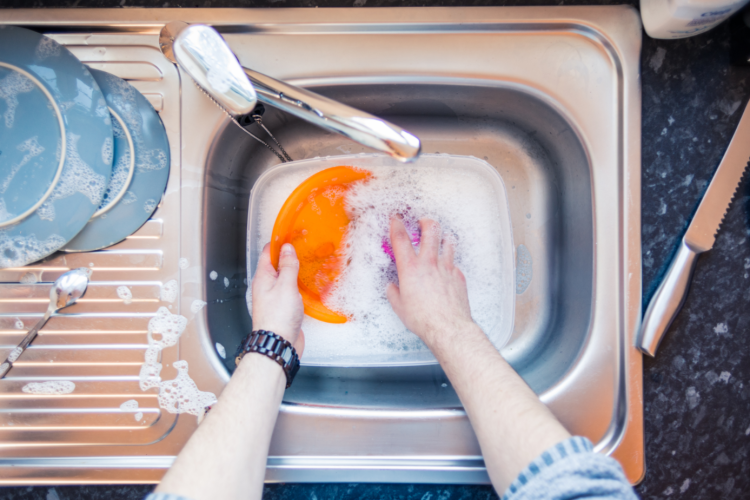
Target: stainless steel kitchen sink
549, 96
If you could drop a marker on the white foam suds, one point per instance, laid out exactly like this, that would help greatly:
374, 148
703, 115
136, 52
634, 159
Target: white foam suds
17, 251
129, 198
222, 352
77, 177
108, 149
213, 275
29, 279
169, 291
183, 263
19, 324
197, 305
129, 405
14, 354
47, 47
125, 294
465, 205
52, 387
154, 159
10, 86
32, 149
179, 395
226, 282
138, 416
149, 206
168, 327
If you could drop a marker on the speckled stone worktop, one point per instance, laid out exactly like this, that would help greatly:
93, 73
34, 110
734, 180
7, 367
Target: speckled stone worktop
697, 390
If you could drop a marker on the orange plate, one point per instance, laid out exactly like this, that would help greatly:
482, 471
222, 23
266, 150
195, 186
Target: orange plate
313, 219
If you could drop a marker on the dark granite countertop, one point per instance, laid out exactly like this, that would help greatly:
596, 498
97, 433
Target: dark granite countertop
697, 390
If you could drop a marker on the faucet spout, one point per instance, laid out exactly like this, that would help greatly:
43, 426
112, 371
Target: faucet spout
201, 52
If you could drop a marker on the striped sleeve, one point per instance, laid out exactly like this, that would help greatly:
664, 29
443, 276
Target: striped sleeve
164, 496
571, 470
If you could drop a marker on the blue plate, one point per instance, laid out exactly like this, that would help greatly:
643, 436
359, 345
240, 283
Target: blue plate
129, 201
55, 146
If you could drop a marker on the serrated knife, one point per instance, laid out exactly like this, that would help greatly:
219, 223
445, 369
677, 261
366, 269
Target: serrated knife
699, 237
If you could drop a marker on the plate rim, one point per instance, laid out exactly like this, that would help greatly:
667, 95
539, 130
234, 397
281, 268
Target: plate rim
131, 169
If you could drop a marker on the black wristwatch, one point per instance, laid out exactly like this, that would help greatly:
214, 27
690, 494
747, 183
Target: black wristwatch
273, 346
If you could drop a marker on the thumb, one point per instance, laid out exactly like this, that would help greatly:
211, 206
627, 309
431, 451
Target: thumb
288, 266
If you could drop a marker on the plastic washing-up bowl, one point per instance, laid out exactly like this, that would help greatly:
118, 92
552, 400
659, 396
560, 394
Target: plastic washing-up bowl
330, 344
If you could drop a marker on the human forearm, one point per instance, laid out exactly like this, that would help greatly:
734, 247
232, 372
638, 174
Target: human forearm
513, 427
226, 456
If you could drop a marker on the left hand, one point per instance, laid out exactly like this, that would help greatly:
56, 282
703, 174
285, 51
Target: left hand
277, 303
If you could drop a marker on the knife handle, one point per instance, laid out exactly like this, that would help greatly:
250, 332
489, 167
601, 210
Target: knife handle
667, 301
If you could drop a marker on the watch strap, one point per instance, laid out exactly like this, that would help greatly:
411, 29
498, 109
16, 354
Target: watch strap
273, 346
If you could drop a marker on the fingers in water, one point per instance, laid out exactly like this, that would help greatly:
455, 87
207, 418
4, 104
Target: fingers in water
403, 251
429, 244
449, 250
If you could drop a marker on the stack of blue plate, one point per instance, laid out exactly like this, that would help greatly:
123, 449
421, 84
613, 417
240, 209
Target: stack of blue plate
84, 158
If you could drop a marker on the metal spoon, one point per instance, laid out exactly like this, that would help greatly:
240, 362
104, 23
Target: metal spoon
67, 289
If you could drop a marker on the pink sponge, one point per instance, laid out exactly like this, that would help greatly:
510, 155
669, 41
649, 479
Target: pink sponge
412, 227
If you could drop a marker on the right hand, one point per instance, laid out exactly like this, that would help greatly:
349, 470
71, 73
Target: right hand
431, 297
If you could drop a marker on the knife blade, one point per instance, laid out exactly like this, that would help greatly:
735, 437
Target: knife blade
699, 237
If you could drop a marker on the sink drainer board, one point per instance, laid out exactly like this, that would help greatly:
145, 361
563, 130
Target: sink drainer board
548, 96
357, 354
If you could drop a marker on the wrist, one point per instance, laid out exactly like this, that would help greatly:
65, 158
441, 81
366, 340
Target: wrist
452, 339
287, 333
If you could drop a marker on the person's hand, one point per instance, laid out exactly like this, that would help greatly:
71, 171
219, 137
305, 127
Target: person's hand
277, 303
431, 298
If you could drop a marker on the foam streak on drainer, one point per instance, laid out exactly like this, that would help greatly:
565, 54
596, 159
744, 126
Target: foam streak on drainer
125, 294
131, 405
49, 388
180, 395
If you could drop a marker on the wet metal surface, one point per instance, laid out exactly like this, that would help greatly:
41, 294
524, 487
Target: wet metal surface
554, 105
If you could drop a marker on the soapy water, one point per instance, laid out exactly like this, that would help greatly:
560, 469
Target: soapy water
169, 291
125, 294
129, 405
108, 149
197, 305
53, 387
149, 206
10, 86
47, 47
462, 202
32, 148
19, 324
180, 395
77, 177
183, 263
16, 251
130, 197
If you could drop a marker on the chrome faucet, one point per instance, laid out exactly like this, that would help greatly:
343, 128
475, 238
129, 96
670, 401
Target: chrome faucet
201, 52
